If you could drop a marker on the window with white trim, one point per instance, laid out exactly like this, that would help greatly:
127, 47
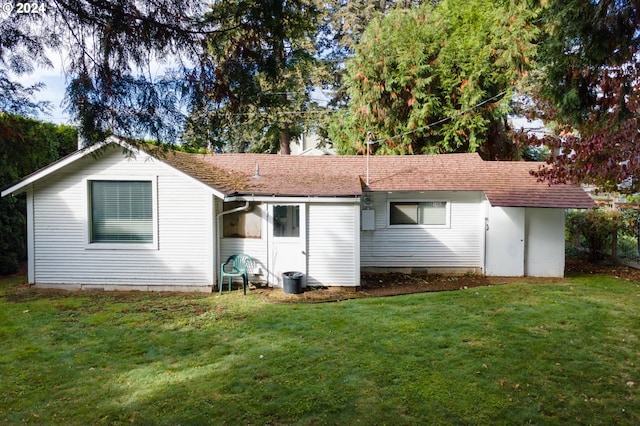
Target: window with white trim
121, 211
433, 213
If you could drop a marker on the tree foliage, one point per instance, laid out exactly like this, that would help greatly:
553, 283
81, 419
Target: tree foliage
129, 63
588, 85
437, 78
264, 70
25, 146
343, 24
20, 51
244, 72
135, 67
347, 20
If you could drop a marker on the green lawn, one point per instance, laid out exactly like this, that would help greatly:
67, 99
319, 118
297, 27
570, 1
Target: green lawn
563, 353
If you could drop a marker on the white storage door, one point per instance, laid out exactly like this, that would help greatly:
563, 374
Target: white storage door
505, 233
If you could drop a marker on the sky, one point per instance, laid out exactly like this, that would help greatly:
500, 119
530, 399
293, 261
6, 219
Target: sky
54, 89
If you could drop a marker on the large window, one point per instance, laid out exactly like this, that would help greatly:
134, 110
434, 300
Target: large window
121, 211
418, 213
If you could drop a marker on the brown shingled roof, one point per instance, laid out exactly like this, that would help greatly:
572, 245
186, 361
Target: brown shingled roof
450, 172
287, 175
198, 167
506, 184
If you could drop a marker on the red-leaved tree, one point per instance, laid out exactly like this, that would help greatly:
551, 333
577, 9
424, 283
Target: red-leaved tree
588, 86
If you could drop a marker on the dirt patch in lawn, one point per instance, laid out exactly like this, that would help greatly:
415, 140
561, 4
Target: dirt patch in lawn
392, 284
372, 285
579, 266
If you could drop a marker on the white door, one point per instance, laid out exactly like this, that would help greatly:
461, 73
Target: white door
287, 241
505, 242
544, 254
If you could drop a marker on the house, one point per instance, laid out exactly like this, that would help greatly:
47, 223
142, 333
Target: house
309, 143
162, 220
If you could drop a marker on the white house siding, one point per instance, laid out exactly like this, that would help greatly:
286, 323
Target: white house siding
184, 258
544, 242
332, 246
333, 234
456, 248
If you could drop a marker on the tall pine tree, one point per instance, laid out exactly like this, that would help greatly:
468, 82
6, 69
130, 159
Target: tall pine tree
437, 79
264, 71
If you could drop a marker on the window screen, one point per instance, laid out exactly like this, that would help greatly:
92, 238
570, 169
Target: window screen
242, 224
418, 213
121, 212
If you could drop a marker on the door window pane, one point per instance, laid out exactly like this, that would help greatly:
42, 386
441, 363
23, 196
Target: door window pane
286, 221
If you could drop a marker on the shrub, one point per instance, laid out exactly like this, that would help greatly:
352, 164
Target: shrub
8, 263
25, 146
596, 229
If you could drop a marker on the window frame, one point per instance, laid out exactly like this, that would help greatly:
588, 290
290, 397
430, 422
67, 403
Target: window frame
153, 245
446, 225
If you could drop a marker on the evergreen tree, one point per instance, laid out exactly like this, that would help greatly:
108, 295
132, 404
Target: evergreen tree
129, 63
264, 70
437, 79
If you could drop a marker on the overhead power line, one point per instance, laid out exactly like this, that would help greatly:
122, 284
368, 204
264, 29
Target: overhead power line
267, 113
443, 120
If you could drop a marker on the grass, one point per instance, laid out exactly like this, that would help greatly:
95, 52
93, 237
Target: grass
564, 353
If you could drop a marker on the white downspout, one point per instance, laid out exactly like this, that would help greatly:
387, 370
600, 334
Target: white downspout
219, 228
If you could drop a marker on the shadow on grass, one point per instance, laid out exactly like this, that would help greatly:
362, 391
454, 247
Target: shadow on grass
558, 353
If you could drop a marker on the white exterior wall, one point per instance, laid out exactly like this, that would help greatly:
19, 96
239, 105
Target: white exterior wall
333, 245
525, 242
182, 260
458, 247
545, 242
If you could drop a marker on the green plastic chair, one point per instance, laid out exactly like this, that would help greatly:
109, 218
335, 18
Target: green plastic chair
238, 265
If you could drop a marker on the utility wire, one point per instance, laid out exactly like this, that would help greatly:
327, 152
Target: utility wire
443, 120
328, 111
267, 113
